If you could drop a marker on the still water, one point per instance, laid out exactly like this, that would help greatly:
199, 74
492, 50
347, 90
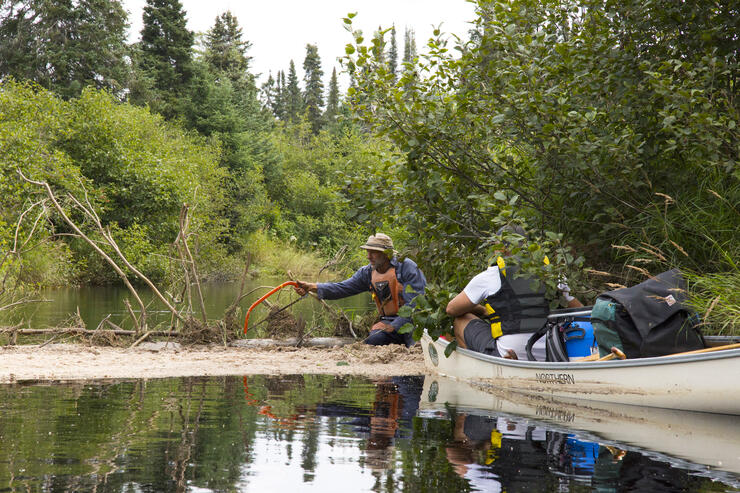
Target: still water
315, 433
94, 303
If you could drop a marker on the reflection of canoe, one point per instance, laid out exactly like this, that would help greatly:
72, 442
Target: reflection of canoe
700, 438
693, 382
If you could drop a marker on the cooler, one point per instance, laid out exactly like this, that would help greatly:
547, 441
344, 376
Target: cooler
578, 333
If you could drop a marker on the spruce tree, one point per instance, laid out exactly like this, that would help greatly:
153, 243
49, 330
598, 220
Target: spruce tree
64, 45
268, 93
409, 46
166, 54
332, 99
313, 95
293, 100
281, 105
393, 54
225, 50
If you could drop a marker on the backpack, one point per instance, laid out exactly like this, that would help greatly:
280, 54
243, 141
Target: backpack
567, 334
649, 319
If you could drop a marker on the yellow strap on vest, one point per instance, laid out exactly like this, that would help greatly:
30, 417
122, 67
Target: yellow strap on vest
501, 265
496, 330
491, 453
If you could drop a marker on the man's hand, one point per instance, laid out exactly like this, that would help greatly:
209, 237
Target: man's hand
304, 287
382, 326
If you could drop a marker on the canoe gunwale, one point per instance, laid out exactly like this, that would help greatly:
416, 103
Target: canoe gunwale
590, 365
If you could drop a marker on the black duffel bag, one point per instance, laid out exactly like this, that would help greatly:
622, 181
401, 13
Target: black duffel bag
649, 319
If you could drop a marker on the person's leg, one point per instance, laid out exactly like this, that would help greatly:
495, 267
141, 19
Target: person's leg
459, 324
475, 335
383, 338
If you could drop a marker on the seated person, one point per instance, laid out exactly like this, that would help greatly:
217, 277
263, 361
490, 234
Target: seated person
497, 312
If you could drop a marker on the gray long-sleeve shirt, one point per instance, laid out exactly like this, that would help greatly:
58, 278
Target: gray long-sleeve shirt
407, 273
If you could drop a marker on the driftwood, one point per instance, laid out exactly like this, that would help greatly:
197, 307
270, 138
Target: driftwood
295, 342
84, 331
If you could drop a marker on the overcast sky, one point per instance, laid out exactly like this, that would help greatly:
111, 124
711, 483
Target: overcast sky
280, 29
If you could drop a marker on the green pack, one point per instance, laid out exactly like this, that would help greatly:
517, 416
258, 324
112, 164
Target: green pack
604, 310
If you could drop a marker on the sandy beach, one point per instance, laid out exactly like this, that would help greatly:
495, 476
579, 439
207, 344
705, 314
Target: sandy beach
73, 362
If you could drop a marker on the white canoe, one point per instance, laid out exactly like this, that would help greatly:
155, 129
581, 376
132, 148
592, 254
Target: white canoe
708, 382
683, 438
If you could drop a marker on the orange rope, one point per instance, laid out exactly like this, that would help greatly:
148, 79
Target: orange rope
269, 293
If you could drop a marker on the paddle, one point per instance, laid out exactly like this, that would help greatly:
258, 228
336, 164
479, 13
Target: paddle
707, 350
619, 354
616, 353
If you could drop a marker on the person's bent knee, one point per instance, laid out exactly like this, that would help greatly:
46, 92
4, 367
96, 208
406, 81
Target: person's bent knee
458, 326
378, 338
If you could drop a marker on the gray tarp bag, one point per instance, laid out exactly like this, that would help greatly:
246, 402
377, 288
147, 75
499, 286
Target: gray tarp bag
649, 319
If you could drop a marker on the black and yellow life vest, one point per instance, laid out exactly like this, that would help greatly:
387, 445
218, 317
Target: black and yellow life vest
516, 308
387, 292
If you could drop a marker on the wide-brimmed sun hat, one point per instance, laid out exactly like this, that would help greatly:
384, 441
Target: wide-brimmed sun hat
381, 243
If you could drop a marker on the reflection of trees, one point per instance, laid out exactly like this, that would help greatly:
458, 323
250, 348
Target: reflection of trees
174, 434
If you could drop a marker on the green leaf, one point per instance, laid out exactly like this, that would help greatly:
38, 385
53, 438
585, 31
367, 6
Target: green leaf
405, 328
450, 347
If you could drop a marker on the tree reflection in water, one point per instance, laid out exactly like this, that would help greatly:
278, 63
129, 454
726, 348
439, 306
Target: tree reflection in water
305, 432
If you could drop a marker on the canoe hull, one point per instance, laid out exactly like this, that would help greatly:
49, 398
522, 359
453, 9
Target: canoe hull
699, 438
705, 382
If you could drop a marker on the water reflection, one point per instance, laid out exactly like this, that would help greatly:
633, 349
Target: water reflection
317, 433
94, 303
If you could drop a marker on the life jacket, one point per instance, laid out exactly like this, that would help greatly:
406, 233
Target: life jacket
516, 308
387, 292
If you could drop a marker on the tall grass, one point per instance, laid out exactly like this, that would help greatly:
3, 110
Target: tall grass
697, 234
716, 297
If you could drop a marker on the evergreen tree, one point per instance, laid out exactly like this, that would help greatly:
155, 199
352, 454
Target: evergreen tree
269, 93
166, 54
332, 99
393, 54
225, 49
409, 46
313, 95
64, 45
293, 100
281, 106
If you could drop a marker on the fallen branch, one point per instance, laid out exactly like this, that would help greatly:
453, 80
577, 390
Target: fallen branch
140, 339
91, 213
83, 331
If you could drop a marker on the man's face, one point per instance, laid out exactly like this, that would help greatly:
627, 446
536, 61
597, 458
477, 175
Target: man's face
377, 259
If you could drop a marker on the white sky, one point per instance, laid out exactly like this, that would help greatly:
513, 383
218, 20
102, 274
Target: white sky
280, 29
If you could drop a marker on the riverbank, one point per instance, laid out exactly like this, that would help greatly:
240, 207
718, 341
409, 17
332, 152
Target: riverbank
74, 362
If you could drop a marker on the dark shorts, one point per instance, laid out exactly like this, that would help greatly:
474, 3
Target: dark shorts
478, 337
478, 428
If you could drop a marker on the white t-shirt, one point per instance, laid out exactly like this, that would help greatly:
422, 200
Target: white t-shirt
486, 284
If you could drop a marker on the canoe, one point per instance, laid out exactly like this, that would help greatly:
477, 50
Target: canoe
707, 382
704, 443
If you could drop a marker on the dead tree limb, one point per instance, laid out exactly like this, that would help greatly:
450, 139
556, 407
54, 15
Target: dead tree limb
188, 257
105, 232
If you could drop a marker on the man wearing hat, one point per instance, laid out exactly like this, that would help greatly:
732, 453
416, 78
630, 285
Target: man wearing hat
392, 282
